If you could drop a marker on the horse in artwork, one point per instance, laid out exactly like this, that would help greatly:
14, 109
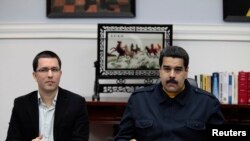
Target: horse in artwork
136, 49
153, 50
122, 50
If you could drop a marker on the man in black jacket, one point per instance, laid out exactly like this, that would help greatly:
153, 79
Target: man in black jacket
50, 113
172, 110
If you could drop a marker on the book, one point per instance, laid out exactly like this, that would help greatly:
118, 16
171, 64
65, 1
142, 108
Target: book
215, 84
234, 88
230, 88
248, 87
242, 87
225, 87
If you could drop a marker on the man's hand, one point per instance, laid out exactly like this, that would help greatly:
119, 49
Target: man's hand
40, 138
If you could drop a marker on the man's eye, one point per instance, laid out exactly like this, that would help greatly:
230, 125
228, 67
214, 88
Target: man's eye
178, 69
55, 69
167, 69
43, 70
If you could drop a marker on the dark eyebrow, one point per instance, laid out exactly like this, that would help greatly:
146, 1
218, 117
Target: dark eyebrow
172, 67
179, 67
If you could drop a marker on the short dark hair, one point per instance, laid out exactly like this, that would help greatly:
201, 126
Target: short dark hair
175, 52
45, 54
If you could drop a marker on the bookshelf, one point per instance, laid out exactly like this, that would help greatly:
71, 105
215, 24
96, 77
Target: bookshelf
228, 87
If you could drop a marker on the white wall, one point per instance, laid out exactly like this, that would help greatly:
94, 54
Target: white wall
147, 11
213, 45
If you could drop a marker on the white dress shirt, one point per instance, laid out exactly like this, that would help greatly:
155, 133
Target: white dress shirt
46, 119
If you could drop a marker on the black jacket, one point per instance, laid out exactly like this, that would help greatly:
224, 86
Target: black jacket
153, 116
70, 122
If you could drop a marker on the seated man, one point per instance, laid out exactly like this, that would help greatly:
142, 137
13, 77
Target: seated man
172, 110
50, 113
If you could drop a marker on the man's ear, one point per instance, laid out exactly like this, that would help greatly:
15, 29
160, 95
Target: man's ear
187, 72
160, 72
34, 75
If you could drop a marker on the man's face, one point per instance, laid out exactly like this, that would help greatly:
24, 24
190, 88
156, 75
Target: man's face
48, 74
173, 74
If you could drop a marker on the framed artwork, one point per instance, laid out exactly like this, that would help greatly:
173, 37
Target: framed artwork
236, 10
131, 50
128, 56
91, 8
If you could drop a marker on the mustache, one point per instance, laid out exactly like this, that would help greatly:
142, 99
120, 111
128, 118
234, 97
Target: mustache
172, 81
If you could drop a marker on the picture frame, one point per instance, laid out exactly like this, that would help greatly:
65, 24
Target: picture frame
131, 50
91, 8
128, 56
236, 10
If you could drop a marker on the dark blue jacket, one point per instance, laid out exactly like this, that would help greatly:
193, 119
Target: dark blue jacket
151, 115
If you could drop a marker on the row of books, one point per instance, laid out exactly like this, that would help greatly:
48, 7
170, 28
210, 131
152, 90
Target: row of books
228, 87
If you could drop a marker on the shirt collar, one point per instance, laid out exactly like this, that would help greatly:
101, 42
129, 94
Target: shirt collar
40, 100
181, 98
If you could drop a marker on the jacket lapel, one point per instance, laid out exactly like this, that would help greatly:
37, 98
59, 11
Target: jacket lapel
61, 104
34, 112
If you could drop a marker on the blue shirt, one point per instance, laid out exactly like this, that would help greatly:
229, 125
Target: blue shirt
151, 115
46, 119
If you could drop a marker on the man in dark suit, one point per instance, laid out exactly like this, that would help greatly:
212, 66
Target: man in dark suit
51, 113
172, 110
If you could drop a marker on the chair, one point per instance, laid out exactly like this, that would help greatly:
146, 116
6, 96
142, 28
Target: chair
192, 82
